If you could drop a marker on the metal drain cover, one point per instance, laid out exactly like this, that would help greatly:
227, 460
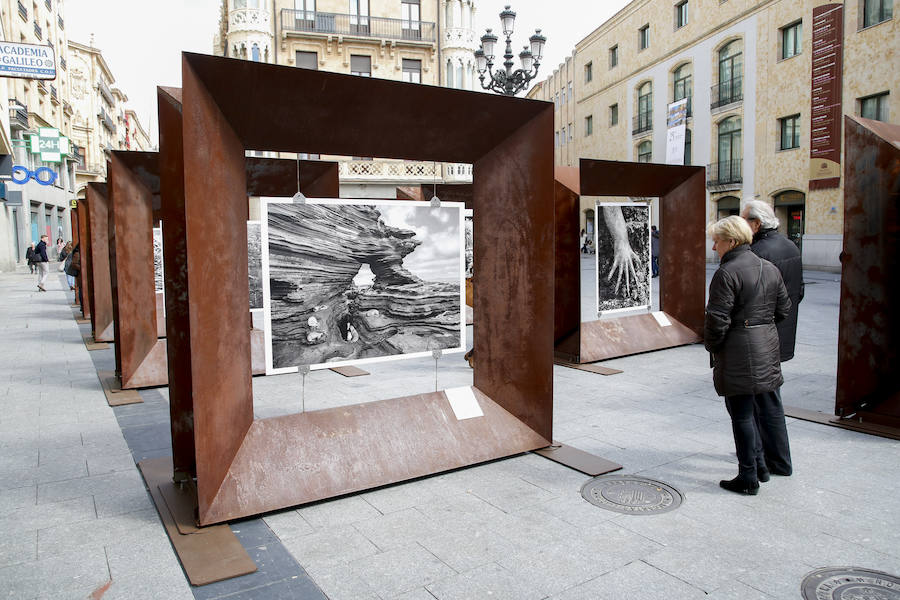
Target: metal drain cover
850, 583
631, 495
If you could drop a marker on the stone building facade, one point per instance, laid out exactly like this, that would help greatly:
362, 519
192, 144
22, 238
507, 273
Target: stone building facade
417, 41
746, 67
28, 106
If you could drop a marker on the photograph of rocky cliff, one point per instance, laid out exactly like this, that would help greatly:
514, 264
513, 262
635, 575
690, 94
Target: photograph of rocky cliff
254, 264
158, 259
353, 281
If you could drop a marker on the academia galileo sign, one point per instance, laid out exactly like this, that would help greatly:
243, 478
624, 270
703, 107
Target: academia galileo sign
28, 61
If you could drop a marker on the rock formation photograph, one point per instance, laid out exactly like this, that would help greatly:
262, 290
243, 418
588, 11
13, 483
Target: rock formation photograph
158, 259
254, 264
355, 280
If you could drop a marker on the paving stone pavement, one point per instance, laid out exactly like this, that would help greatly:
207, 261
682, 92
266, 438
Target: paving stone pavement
75, 515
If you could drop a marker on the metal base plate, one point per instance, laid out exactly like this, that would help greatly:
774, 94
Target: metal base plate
590, 368
92, 344
579, 460
850, 583
631, 495
209, 554
115, 395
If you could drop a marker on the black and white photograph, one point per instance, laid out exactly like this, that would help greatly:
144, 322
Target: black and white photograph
470, 241
355, 281
254, 264
622, 240
158, 259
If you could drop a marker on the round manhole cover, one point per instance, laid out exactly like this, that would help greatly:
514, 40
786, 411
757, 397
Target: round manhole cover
850, 583
631, 495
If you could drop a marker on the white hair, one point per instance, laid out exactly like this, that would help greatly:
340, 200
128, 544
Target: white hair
761, 211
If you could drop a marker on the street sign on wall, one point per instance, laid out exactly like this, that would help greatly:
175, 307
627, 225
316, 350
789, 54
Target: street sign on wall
49, 144
27, 61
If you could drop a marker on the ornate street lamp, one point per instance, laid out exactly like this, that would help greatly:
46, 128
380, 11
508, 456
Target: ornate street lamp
506, 81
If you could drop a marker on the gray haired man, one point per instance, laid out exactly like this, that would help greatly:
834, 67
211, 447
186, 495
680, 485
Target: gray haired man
784, 254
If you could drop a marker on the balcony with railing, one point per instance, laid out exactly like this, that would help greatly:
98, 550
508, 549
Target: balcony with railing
379, 170
300, 21
106, 93
37, 31
457, 173
23, 12
48, 4
53, 95
67, 108
726, 92
62, 63
724, 174
642, 123
106, 120
62, 24
18, 115
42, 87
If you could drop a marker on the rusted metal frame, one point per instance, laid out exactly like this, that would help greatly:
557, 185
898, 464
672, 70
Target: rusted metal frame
509, 141
84, 274
141, 356
868, 388
681, 194
99, 285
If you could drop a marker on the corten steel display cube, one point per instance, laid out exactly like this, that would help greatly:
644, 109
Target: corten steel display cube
99, 283
141, 359
246, 466
868, 385
682, 259
84, 240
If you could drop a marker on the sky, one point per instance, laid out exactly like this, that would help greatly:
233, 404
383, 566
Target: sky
142, 40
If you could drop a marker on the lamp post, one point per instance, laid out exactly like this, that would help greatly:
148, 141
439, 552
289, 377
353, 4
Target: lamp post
506, 81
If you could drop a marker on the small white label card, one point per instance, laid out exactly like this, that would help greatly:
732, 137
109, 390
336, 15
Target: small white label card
661, 318
463, 402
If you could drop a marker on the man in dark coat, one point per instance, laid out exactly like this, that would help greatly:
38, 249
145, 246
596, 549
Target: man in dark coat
776, 248
43, 262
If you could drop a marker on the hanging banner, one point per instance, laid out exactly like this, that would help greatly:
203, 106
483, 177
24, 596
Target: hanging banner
825, 116
676, 128
27, 61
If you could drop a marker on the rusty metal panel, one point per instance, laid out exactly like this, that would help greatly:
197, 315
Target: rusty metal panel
869, 324
177, 294
132, 215
510, 143
84, 273
567, 267
100, 284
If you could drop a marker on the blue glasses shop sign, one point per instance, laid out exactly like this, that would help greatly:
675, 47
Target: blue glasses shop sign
42, 175
27, 61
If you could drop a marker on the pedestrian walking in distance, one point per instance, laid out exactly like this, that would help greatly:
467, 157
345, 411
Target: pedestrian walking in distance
42, 261
746, 298
30, 257
776, 248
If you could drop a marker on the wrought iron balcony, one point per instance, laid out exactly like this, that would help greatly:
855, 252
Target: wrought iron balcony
62, 63
62, 24
37, 31
42, 87
53, 96
106, 120
67, 108
642, 123
726, 92
725, 173
23, 12
306, 21
48, 4
106, 93
18, 115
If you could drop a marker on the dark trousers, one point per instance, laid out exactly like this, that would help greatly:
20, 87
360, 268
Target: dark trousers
743, 426
772, 442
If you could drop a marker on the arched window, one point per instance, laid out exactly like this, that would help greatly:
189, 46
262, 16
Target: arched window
729, 150
254, 53
449, 15
645, 151
449, 73
731, 69
459, 77
727, 206
645, 106
683, 84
